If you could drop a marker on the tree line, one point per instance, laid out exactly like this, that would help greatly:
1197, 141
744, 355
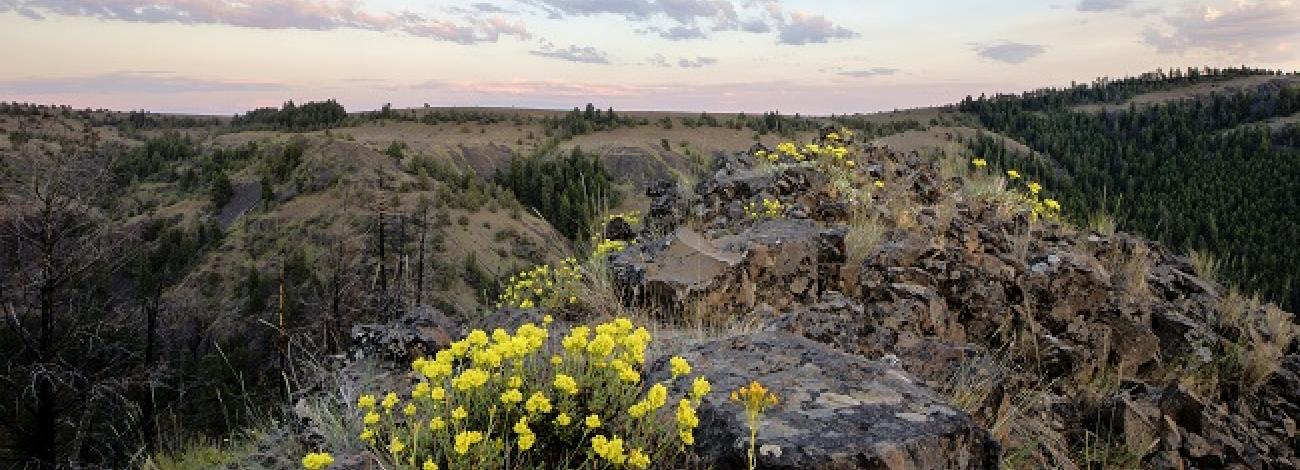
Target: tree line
568, 191
1206, 173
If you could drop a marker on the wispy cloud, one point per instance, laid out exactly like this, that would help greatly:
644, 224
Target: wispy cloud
573, 53
131, 82
1102, 5
530, 88
280, 14
868, 73
1009, 52
696, 63
679, 20
1246, 29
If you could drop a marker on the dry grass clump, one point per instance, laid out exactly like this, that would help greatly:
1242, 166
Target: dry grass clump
1207, 266
865, 232
1103, 223
1267, 340
1259, 337
1131, 263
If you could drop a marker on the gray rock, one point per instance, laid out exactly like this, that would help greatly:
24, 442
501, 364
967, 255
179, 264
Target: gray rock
421, 332
836, 410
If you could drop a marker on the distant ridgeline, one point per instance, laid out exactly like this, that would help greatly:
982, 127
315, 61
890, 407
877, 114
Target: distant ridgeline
1206, 173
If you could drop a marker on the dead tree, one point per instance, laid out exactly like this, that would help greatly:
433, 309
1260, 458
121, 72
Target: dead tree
64, 337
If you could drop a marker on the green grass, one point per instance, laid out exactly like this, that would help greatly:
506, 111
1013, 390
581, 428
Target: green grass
198, 455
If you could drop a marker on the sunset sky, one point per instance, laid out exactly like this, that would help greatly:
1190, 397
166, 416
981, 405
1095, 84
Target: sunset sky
813, 57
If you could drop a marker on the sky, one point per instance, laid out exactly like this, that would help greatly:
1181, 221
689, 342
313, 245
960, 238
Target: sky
804, 56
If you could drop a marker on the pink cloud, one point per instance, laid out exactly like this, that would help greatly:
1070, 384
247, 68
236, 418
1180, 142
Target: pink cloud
280, 14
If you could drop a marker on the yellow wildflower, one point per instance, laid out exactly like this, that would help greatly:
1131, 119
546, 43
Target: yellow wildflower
686, 417
470, 379
563, 420
366, 402
538, 403
512, 396
638, 459
317, 461
657, 397
699, 388
466, 439
429, 465
396, 446
459, 413
592, 421
566, 384
679, 366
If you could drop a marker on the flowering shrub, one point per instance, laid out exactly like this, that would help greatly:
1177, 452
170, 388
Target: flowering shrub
317, 461
1031, 193
769, 209
606, 247
632, 218
522, 400
543, 286
602, 246
831, 151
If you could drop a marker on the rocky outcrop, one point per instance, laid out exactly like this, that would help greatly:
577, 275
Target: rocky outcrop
835, 410
965, 292
421, 332
774, 262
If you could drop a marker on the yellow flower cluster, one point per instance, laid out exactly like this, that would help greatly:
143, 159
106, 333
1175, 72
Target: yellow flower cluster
317, 461
1039, 206
605, 247
510, 399
631, 217
770, 209
543, 287
832, 151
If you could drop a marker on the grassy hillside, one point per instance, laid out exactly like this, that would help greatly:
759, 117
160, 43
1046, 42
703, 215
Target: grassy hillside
202, 253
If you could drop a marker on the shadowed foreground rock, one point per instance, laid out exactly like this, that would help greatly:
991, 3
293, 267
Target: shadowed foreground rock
836, 410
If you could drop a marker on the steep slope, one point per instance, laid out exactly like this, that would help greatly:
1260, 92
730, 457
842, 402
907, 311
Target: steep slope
1205, 164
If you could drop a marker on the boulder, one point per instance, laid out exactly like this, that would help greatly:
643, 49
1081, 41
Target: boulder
619, 229
421, 332
777, 262
835, 410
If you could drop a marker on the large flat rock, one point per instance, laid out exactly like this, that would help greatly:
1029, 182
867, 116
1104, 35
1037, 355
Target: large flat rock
836, 410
